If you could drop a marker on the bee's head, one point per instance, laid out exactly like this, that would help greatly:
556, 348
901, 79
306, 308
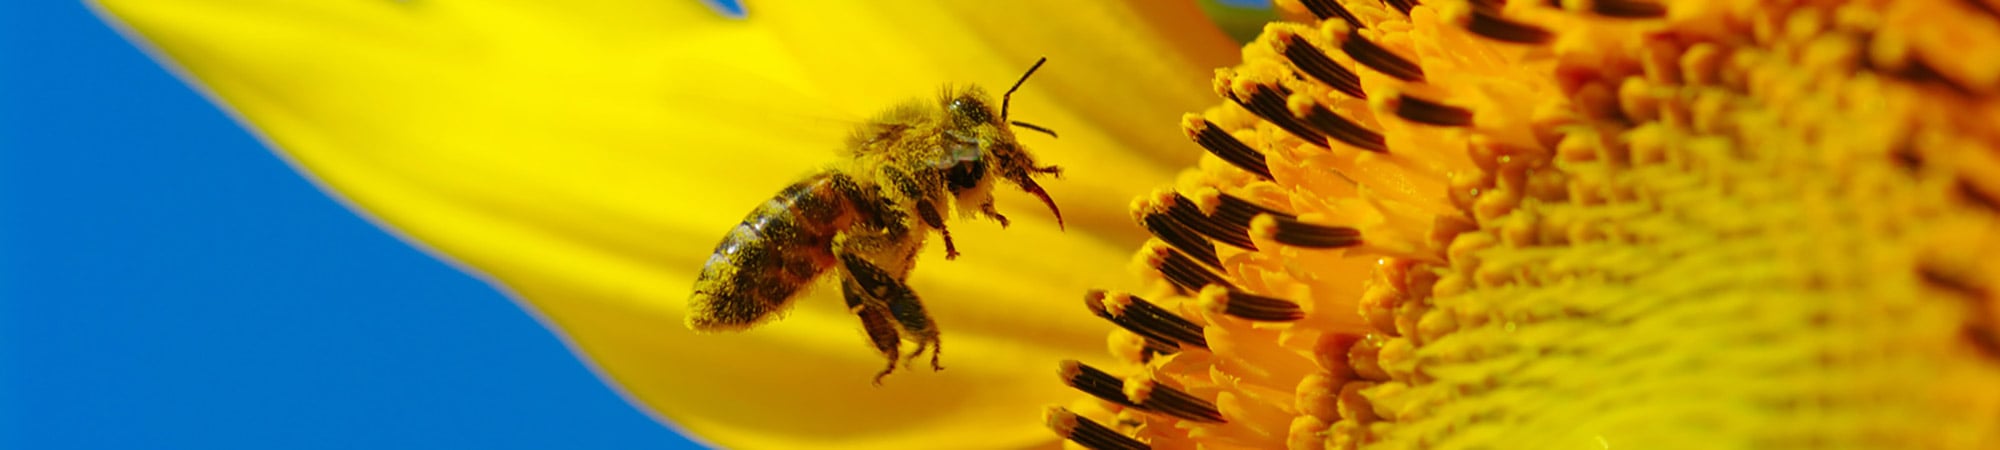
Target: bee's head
994, 152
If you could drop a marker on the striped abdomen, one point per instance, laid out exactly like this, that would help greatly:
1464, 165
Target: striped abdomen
779, 249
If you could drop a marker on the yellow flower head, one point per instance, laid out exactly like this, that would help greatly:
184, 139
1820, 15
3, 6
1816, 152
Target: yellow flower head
1576, 224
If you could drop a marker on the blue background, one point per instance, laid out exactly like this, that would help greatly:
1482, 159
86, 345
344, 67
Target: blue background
166, 282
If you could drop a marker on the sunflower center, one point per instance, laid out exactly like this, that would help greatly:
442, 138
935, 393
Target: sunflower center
1498, 224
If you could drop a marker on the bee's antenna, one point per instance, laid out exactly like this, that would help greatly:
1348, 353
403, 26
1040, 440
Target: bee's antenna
1051, 133
1004, 98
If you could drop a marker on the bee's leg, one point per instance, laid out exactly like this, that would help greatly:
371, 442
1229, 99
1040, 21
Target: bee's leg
875, 319
903, 305
988, 209
1051, 170
929, 213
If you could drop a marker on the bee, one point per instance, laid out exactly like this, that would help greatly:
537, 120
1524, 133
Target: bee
865, 217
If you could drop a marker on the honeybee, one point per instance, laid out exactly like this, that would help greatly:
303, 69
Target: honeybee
866, 216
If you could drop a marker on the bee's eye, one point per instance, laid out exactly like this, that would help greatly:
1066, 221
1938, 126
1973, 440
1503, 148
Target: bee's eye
971, 108
965, 174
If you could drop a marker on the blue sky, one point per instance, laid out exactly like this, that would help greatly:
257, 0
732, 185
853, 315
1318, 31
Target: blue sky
166, 282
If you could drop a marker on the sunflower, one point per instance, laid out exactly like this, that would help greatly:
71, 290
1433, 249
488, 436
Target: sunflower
1574, 224
1474, 224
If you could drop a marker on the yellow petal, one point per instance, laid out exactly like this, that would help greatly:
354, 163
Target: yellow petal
588, 155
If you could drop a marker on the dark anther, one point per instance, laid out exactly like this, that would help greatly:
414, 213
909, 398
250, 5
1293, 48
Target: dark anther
1327, 9
1235, 209
1180, 237
1628, 9
1316, 64
1145, 319
1907, 157
1179, 404
1185, 274
1979, 330
1300, 234
1488, 23
1420, 110
1402, 5
1343, 130
1380, 59
1983, 337
1230, 221
1974, 194
1224, 231
1919, 71
1260, 308
1095, 382
1160, 398
1268, 102
1218, 142
1940, 278
1983, 7
1088, 433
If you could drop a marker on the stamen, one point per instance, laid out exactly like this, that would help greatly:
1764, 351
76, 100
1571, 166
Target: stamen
1983, 337
1979, 331
1250, 306
1327, 9
1340, 128
1088, 433
1623, 9
1183, 272
1940, 278
1488, 23
1095, 382
1145, 319
1152, 397
1173, 402
1224, 231
1917, 70
1974, 194
1235, 209
1222, 217
1294, 233
1420, 110
1181, 238
1907, 157
1984, 7
1268, 101
1402, 5
1219, 143
1376, 57
1309, 59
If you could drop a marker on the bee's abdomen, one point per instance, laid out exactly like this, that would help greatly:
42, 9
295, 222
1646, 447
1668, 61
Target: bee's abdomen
778, 250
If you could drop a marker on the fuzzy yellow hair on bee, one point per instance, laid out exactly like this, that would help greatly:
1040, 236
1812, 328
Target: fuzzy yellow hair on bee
865, 217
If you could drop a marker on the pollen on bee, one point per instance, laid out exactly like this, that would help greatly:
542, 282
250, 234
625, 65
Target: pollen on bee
865, 218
